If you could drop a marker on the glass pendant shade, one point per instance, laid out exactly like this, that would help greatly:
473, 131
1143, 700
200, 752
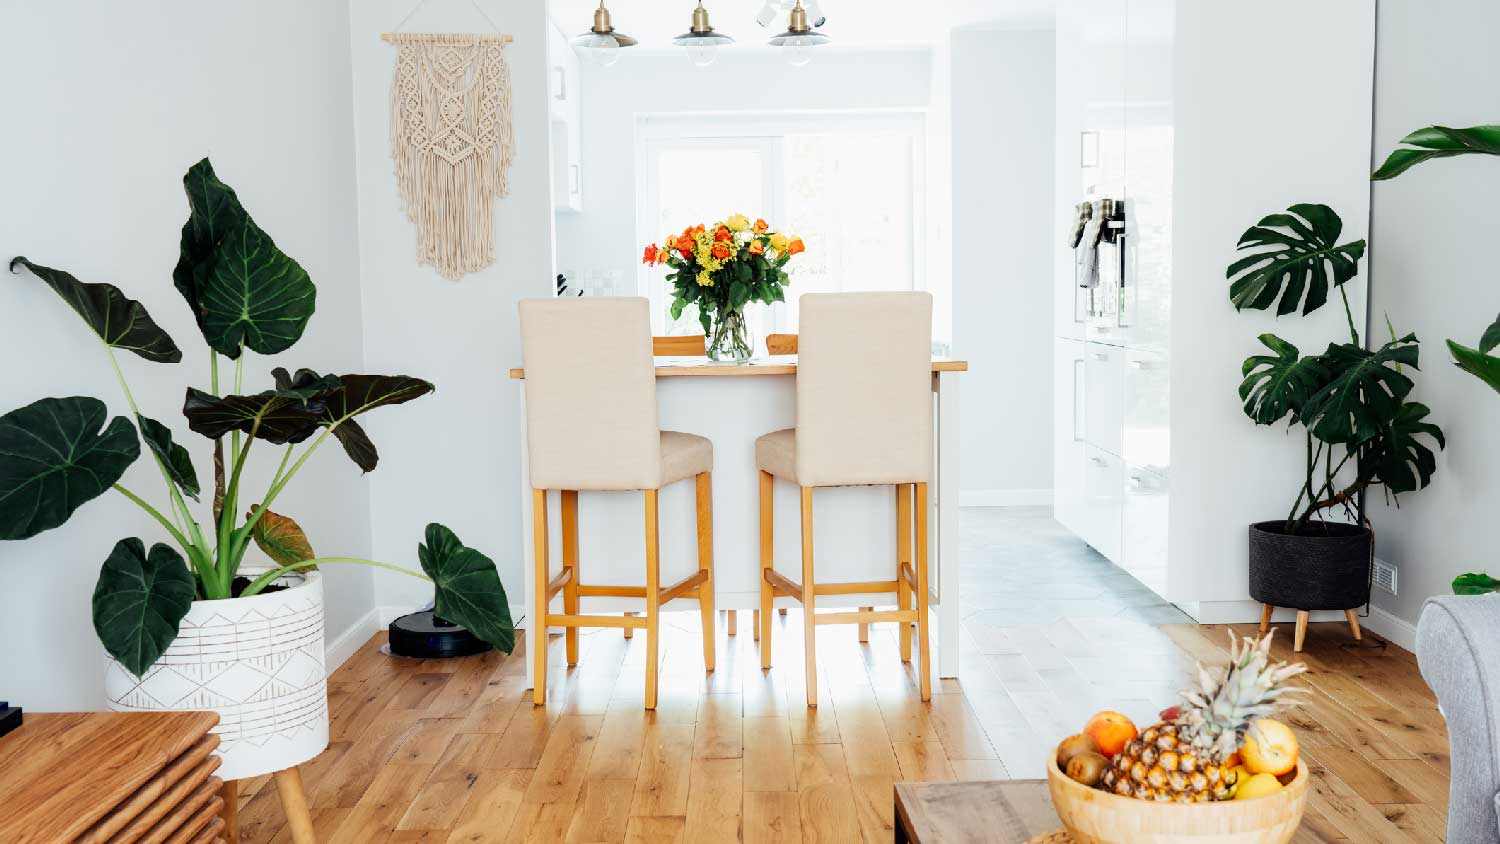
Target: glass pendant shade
799, 38
602, 44
701, 42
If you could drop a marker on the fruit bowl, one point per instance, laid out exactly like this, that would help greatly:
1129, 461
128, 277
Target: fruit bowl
1092, 816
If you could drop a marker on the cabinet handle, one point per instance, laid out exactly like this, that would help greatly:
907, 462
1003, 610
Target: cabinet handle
1099, 461
1142, 364
1101, 356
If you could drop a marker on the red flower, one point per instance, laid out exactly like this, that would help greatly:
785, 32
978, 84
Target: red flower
722, 234
685, 252
650, 255
720, 251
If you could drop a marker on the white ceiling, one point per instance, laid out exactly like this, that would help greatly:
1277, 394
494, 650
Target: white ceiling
870, 24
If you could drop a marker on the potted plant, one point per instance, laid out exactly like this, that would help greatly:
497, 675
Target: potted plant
1352, 403
188, 624
722, 269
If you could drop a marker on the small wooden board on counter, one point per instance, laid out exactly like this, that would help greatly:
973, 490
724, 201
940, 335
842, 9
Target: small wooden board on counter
101, 776
774, 365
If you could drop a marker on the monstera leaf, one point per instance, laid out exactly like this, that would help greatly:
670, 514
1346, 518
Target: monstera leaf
1439, 142
1403, 462
359, 393
468, 588
175, 458
1299, 252
1479, 362
276, 416
119, 321
1364, 392
1280, 384
139, 601
243, 290
282, 539
54, 458
1475, 583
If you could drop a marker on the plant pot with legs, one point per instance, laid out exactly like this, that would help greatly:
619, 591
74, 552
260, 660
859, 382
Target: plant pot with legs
189, 624
1361, 429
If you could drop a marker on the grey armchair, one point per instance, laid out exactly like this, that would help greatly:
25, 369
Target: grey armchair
1458, 648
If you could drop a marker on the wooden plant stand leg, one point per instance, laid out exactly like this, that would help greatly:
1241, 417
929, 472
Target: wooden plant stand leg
1353, 624
230, 794
1301, 630
294, 803
1265, 618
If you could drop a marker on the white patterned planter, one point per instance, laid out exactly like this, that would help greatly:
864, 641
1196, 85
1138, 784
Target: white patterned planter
256, 661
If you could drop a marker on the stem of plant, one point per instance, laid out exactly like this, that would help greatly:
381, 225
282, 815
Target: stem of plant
136, 412
155, 514
1349, 315
262, 581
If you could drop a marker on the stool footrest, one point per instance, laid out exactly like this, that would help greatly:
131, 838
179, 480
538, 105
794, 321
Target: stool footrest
857, 588
865, 616
559, 620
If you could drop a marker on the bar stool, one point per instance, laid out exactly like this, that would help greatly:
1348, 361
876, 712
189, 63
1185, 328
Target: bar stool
592, 425
864, 417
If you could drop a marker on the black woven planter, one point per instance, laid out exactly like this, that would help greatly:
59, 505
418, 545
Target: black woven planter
1326, 567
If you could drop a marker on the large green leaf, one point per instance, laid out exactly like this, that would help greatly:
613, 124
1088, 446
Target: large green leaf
1403, 462
54, 458
1439, 142
1475, 583
357, 394
276, 416
1364, 392
174, 457
282, 539
139, 601
1478, 364
468, 590
1280, 384
243, 290
118, 320
1296, 252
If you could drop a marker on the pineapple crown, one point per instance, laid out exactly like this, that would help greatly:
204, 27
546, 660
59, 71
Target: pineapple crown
1228, 698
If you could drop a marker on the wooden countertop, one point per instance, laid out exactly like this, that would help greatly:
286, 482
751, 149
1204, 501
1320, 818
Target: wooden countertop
672, 367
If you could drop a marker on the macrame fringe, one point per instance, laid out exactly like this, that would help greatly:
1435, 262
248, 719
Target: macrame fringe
452, 143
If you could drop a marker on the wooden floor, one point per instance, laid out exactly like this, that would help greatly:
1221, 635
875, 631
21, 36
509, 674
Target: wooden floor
454, 751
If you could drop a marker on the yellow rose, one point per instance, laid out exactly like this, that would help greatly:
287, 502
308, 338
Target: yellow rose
738, 223
779, 241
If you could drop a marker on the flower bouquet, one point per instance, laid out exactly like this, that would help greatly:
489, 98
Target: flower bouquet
721, 269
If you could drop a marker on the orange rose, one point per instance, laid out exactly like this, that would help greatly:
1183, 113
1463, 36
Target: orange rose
684, 243
761, 227
722, 234
795, 246
685, 252
757, 248
650, 255
698, 229
720, 251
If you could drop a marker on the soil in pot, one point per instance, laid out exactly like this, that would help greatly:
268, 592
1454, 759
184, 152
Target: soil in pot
240, 583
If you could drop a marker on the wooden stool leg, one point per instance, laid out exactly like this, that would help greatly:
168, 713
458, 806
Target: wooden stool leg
570, 561
903, 557
809, 630
539, 553
732, 624
705, 494
294, 803
653, 597
924, 618
630, 631
1265, 618
755, 626
1353, 624
767, 534
1301, 631
864, 629
230, 794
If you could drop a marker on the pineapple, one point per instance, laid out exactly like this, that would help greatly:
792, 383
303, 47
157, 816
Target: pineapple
1182, 760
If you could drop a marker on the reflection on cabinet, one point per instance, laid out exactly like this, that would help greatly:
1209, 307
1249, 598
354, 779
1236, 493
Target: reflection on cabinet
1143, 528
563, 104
1068, 432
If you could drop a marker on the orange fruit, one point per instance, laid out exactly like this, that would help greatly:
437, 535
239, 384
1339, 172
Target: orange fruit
1111, 731
1270, 747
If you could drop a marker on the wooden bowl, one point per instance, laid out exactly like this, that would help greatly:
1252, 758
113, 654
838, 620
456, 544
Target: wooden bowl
1092, 816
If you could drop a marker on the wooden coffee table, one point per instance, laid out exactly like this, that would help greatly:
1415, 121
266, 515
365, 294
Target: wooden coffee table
1003, 812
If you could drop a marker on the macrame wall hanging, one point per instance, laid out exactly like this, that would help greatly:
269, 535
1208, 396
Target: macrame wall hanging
452, 143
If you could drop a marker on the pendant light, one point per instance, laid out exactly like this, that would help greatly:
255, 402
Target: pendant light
602, 44
701, 42
799, 38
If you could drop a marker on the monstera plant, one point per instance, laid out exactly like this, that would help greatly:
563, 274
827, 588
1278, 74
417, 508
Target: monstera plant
1351, 401
246, 295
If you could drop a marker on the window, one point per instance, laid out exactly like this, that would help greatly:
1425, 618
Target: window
848, 185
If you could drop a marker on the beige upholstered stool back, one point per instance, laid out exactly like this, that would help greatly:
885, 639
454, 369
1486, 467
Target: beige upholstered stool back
864, 389
590, 394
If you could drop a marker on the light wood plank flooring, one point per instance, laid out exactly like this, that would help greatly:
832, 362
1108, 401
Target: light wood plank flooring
453, 751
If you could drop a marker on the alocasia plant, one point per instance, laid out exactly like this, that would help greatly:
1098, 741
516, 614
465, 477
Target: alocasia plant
57, 454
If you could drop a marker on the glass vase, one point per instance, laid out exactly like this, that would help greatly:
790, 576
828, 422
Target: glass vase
731, 341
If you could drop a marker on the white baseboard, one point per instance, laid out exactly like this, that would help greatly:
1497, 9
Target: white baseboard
1004, 497
1394, 629
336, 651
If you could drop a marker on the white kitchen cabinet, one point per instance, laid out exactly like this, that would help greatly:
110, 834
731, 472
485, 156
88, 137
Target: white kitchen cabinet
1104, 396
1147, 403
1143, 527
564, 107
1103, 501
1068, 453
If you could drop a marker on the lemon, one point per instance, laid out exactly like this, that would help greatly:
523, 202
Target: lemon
1258, 785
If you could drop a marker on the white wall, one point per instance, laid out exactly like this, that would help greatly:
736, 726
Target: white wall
604, 236
1433, 273
108, 105
1002, 147
454, 456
